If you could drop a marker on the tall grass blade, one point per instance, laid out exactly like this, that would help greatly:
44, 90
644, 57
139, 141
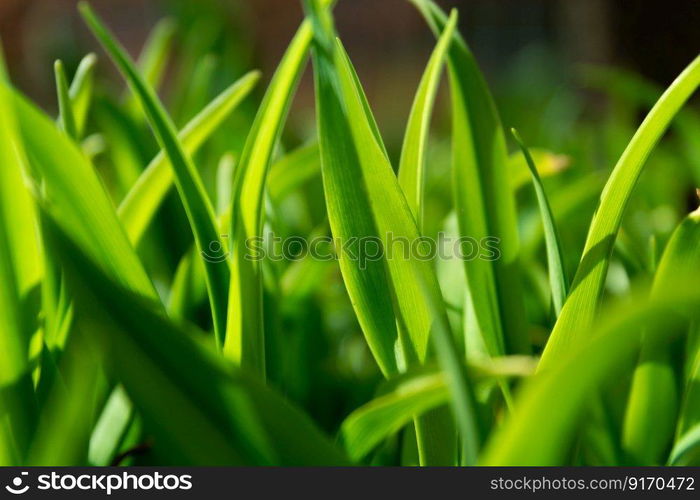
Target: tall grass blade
76, 197
81, 90
346, 204
685, 249
152, 62
74, 103
687, 449
342, 104
66, 118
141, 203
387, 414
580, 307
72, 192
652, 409
63, 434
192, 193
483, 198
111, 428
579, 373
555, 262
365, 203
412, 163
293, 170
223, 416
462, 398
19, 273
245, 334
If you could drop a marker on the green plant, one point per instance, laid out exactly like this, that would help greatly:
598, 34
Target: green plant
125, 342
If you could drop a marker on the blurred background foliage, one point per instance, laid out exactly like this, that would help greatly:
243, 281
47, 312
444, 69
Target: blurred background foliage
575, 77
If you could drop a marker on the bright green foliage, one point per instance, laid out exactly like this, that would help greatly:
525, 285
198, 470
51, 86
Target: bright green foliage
483, 201
141, 325
197, 204
557, 275
67, 118
367, 426
244, 334
81, 90
652, 411
587, 287
222, 417
577, 375
365, 202
18, 276
412, 164
141, 203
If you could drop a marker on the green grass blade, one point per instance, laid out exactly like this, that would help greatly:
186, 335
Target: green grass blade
110, 429
628, 87
154, 56
687, 449
346, 203
188, 288
652, 408
124, 141
386, 206
293, 170
192, 193
365, 203
245, 335
16, 409
484, 202
145, 197
580, 307
412, 163
555, 262
63, 434
223, 416
81, 90
683, 256
152, 62
199, 88
370, 424
66, 116
578, 373
224, 183
462, 398
547, 162
15, 198
414, 393
690, 405
74, 103
76, 196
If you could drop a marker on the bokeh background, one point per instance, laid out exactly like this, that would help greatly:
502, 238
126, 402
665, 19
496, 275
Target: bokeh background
534, 45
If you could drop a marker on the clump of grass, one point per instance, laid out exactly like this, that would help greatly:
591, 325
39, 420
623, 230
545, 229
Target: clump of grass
145, 333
